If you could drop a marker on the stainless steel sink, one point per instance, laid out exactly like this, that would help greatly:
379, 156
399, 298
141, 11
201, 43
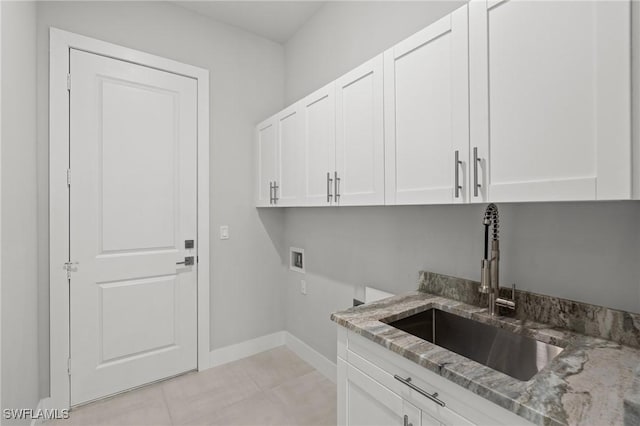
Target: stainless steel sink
518, 356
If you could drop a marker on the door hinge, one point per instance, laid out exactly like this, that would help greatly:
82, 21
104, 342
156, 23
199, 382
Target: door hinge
68, 177
69, 267
69, 366
69, 82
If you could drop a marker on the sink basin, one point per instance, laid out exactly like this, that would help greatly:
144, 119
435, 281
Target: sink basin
518, 356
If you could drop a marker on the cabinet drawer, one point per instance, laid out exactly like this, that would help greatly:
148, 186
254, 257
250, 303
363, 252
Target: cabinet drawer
462, 406
429, 408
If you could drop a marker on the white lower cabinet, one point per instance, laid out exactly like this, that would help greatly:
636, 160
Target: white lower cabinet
371, 404
379, 387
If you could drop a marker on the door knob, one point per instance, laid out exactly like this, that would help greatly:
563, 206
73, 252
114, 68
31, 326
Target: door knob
188, 261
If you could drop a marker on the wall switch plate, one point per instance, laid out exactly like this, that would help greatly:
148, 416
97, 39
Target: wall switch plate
303, 287
224, 232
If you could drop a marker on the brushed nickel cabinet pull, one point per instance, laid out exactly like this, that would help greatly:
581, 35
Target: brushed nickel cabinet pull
433, 396
337, 183
270, 192
456, 165
275, 192
476, 160
329, 182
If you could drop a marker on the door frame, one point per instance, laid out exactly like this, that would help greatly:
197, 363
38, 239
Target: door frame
60, 44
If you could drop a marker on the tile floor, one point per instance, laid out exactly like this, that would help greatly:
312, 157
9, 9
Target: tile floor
275, 387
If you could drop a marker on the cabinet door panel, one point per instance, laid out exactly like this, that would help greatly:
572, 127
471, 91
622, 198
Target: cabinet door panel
427, 420
267, 158
427, 113
370, 403
289, 164
551, 79
319, 136
359, 135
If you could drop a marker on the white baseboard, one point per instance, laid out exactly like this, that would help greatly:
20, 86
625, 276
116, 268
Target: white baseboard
246, 348
43, 404
264, 343
313, 357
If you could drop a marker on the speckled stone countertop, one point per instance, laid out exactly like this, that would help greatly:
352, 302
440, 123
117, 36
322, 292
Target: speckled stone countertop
586, 384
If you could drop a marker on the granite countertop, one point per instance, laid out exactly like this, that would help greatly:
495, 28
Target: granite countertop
587, 383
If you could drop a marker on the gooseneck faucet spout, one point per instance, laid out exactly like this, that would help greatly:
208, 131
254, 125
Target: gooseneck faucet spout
489, 281
490, 278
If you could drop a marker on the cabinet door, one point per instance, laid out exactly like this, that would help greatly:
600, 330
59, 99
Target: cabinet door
319, 136
289, 157
371, 404
427, 420
359, 136
266, 158
427, 114
550, 89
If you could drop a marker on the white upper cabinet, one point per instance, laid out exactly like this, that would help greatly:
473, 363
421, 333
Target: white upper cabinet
359, 136
550, 100
319, 138
266, 155
289, 164
426, 117
501, 101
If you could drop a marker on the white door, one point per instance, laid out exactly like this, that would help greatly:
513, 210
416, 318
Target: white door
360, 136
319, 137
287, 190
550, 99
267, 158
132, 206
371, 404
427, 114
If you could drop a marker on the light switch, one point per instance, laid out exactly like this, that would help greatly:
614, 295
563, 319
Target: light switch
224, 232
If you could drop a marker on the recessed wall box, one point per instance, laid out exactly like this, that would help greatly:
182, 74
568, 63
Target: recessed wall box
296, 259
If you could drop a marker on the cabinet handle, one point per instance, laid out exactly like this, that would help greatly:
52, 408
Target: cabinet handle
456, 164
337, 183
275, 192
406, 421
329, 182
270, 192
476, 160
433, 396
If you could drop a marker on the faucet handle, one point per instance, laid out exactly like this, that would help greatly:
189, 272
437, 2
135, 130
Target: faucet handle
508, 303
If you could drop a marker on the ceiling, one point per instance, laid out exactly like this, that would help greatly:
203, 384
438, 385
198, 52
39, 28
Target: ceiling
274, 20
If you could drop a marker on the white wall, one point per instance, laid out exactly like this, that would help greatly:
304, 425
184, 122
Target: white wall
583, 251
246, 86
19, 203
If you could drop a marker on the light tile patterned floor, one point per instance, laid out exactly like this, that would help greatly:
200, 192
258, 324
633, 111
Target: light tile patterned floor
271, 388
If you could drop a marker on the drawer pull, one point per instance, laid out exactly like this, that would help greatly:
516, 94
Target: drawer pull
433, 397
406, 421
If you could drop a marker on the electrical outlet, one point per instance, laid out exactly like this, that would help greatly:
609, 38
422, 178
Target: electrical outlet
303, 287
224, 232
